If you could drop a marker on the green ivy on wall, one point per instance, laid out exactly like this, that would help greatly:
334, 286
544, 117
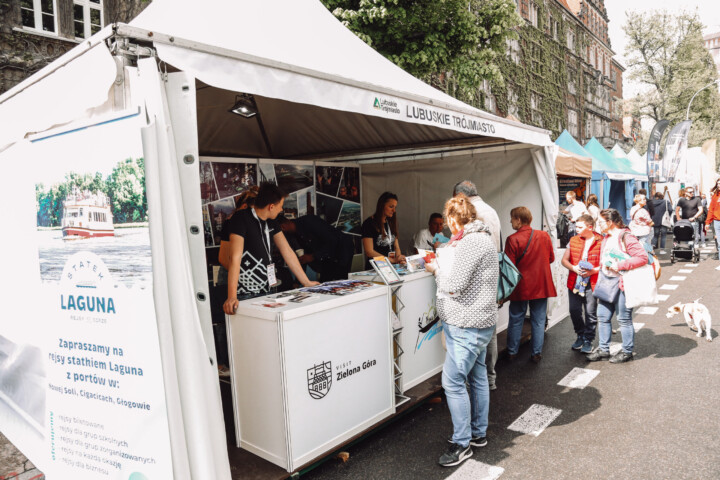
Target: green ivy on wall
544, 68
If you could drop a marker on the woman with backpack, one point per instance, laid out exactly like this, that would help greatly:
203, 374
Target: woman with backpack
620, 251
532, 253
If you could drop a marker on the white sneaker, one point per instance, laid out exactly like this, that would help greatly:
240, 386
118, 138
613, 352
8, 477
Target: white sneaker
662, 252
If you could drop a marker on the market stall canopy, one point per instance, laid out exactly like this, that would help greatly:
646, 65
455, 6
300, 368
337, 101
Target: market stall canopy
298, 61
572, 164
567, 143
604, 162
625, 161
638, 162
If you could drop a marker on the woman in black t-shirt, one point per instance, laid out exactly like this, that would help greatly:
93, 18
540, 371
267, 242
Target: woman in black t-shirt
252, 232
379, 232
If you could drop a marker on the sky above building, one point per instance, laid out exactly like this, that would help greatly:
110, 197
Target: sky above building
709, 11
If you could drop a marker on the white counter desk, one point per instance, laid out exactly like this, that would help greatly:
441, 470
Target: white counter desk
422, 354
308, 376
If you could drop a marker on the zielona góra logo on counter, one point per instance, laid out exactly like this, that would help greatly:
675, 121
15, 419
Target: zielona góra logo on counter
320, 376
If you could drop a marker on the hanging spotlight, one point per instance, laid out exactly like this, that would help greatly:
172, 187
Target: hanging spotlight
244, 106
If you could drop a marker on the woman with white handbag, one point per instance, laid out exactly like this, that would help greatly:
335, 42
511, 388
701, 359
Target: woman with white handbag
661, 219
620, 252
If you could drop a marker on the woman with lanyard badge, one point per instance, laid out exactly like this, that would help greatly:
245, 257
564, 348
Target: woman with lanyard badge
252, 273
379, 232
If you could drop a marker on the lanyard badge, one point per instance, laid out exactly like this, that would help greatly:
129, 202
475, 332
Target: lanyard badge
271, 275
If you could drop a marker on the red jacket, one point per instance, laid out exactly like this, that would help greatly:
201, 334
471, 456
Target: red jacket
576, 247
537, 279
713, 208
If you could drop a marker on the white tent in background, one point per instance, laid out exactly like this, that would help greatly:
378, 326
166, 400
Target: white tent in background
637, 161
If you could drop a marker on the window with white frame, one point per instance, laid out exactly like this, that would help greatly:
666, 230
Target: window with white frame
512, 102
571, 40
39, 15
87, 17
573, 122
513, 46
490, 102
534, 10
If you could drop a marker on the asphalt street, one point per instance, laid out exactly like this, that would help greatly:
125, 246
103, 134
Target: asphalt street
653, 418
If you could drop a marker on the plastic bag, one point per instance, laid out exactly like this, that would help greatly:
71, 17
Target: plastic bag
640, 287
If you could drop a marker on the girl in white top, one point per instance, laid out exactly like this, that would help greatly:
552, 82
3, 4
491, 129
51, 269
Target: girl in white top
594, 211
640, 221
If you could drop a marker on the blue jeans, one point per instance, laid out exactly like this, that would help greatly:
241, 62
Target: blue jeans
584, 327
659, 237
465, 363
538, 314
716, 233
605, 312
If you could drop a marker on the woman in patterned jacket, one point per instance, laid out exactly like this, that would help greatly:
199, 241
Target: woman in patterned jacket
467, 294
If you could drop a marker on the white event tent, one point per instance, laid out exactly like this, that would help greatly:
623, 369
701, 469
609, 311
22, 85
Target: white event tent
322, 93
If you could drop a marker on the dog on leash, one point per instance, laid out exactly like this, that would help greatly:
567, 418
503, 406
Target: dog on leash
697, 316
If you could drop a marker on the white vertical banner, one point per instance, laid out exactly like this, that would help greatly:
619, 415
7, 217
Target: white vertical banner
88, 389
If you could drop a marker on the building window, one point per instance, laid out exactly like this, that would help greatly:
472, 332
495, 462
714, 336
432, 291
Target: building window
512, 102
571, 40
490, 103
87, 16
592, 56
573, 123
38, 15
514, 50
588, 128
534, 10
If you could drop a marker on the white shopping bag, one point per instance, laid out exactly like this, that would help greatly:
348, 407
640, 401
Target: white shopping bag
640, 287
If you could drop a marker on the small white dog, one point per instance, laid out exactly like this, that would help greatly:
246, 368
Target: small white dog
696, 315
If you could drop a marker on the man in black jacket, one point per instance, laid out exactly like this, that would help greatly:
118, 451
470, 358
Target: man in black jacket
327, 250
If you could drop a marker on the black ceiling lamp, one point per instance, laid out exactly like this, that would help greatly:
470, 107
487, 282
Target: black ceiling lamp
244, 106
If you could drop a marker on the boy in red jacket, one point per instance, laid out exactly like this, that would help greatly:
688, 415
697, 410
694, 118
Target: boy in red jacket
583, 246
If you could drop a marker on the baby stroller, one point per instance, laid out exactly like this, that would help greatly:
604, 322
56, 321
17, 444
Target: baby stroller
684, 242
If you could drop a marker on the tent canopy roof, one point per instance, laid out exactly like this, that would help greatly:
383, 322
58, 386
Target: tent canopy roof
572, 164
566, 141
608, 163
320, 90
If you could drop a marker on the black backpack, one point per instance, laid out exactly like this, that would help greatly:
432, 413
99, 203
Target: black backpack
563, 230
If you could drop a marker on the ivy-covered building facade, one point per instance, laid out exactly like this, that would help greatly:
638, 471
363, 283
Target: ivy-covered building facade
560, 73
33, 33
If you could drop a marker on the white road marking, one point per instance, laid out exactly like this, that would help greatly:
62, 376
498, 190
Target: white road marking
683, 270
717, 268
677, 278
638, 326
474, 470
662, 298
690, 265
578, 378
669, 287
536, 419
646, 310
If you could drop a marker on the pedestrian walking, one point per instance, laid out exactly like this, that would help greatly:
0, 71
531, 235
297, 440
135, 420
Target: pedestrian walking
651, 210
467, 305
594, 210
583, 247
661, 206
641, 223
574, 209
713, 215
532, 253
620, 251
487, 215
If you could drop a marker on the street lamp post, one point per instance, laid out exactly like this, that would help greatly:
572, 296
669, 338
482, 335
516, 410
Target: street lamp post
687, 115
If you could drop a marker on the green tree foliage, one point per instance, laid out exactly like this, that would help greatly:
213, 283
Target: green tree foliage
125, 187
451, 44
666, 53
